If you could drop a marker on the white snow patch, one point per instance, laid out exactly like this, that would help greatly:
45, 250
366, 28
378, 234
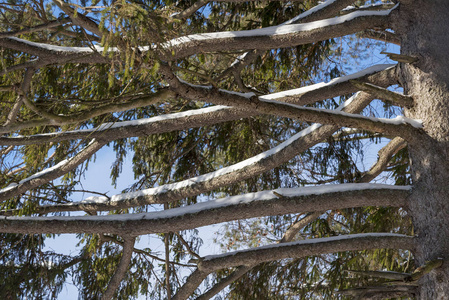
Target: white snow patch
309, 12
275, 30
306, 89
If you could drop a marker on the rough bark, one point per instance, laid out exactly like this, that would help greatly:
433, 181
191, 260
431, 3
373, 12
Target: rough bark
198, 215
423, 28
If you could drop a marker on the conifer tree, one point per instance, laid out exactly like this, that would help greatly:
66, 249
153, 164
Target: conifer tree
248, 113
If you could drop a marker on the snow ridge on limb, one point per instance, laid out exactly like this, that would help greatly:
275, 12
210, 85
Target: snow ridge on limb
278, 202
381, 75
266, 38
280, 36
400, 126
299, 249
51, 173
351, 242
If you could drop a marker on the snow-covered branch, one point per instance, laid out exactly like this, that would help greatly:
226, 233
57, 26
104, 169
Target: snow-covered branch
399, 126
51, 173
289, 235
280, 36
299, 249
381, 75
279, 202
243, 170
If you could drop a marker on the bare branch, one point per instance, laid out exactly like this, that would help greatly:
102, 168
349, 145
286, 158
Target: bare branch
78, 18
384, 158
383, 36
52, 119
293, 230
384, 94
49, 25
191, 10
122, 268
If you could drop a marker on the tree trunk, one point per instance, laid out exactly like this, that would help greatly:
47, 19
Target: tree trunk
424, 30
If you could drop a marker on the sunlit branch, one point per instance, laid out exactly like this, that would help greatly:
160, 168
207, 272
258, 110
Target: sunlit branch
384, 158
281, 36
289, 236
299, 249
279, 202
122, 268
399, 127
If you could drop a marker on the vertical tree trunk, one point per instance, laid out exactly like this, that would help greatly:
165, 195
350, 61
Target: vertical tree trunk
424, 29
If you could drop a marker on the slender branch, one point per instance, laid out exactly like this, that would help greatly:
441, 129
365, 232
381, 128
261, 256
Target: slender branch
78, 18
293, 230
246, 206
49, 25
140, 251
167, 265
384, 158
191, 10
51, 119
384, 94
189, 249
122, 268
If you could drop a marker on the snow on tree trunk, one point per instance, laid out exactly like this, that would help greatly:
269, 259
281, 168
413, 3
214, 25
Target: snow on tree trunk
425, 35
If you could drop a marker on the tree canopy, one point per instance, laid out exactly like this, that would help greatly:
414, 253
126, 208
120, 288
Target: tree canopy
256, 115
